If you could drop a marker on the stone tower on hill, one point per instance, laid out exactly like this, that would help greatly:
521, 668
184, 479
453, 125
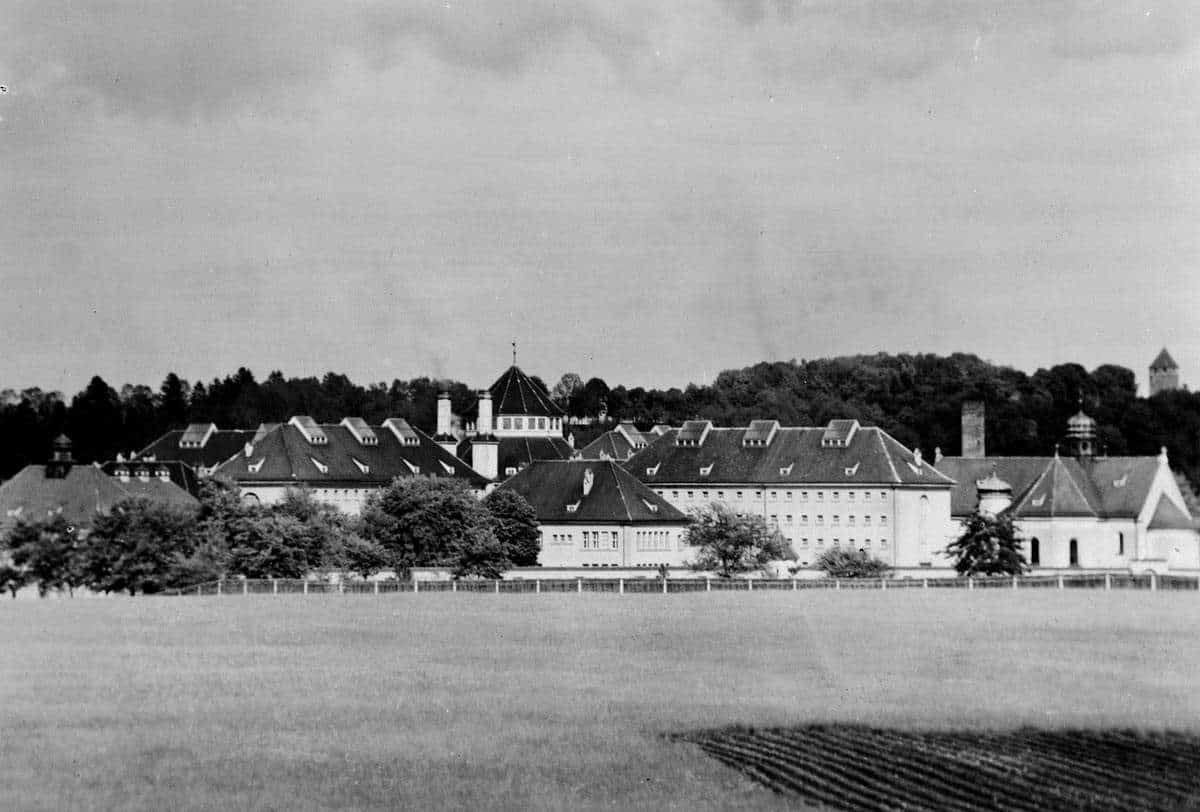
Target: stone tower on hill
1164, 373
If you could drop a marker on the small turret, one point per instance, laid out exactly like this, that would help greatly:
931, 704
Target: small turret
1164, 373
60, 458
1081, 435
995, 495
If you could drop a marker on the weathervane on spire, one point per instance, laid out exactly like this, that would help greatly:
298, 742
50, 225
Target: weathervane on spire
514, 353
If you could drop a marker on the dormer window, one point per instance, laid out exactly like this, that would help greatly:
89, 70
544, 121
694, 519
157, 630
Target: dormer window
510, 470
653, 471
786, 470
447, 467
705, 470
571, 508
852, 470
362, 466
308, 427
320, 466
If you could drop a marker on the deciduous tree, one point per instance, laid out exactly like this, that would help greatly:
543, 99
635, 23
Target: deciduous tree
515, 526
839, 563
137, 546
730, 545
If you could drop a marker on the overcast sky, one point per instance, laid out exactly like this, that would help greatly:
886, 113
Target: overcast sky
646, 193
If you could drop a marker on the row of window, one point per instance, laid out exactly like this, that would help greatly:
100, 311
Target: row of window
834, 521
774, 495
852, 543
533, 423
651, 540
595, 539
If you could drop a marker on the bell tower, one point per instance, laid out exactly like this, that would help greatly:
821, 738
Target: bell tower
1164, 373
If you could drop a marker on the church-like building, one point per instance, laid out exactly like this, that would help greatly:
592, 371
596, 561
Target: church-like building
1080, 509
1164, 373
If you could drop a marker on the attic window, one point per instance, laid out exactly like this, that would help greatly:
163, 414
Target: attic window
447, 467
572, 507
852, 470
1039, 501
322, 467
510, 470
653, 471
255, 467
705, 470
413, 468
1122, 482
309, 428
361, 431
362, 466
786, 470
653, 508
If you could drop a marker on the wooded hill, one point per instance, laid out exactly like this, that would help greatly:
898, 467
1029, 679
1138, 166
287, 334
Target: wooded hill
917, 398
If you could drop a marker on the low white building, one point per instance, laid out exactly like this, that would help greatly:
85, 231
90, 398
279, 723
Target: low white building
839, 486
595, 515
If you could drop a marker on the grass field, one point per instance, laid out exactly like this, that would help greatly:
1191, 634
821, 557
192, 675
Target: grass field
540, 701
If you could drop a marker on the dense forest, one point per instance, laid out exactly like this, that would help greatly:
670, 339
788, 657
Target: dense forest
917, 398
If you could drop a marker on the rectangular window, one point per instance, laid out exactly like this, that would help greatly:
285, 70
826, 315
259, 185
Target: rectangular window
883, 542
774, 520
615, 540
691, 495
674, 494
721, 495
820, 542
704, 495
820, 496
837, 542
758, 494
803, 518
883, 496
787, 495
788, 518
837, 520
804, 495
820, 518
804, 541
850, 519
867, 544
507, 422
774, 495
739, 494
882, 521
867, 521
866, 496
850, 495
541, 422
519, 422
835, 495
1120, 544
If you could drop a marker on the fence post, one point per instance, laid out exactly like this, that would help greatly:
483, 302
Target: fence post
341, 587
793, 584
749, 584
883, 583
453, 586
708, 583
837, 583
1107, 581
1014, 582
376, 584
219, 582
305, 586
579, 585
620, 586
274, 586
537, 585
1153, 582
1060, 581
245, 586
497, 586
416, 585
664, 586
970, 582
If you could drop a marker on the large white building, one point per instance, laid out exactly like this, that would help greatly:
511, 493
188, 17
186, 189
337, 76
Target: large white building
840, 486
1080, 510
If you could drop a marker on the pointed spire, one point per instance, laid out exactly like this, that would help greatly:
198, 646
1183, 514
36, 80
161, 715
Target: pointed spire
514, 346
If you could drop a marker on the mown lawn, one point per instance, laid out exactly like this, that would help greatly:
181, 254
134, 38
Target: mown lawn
539, 701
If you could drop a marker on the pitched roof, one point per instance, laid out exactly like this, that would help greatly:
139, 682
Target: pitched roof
285, 455
615, 496
1112, 487
794, 455
618, 444
180, 473
1164, 361
518, 452
85, 491
1057, 492
220, 446
514, 393
1168, 516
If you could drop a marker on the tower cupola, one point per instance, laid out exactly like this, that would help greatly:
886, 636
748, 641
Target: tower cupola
1081, 435
995, 495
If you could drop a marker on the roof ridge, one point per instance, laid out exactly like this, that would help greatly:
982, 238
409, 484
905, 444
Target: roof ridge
620, 490
887, 455
1075, 485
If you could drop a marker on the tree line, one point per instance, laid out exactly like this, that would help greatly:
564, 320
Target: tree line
916, 398
145, 547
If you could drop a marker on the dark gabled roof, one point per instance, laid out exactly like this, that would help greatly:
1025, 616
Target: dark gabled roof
181, 473
1112, 487
222, 444
514, 393
518, 452
618, 444
85, 491
285, 455
794, 455
1057, 491
1164, 361
1168, 516
616, 496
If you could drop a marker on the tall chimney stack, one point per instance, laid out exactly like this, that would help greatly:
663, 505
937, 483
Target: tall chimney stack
443, 416
973, 445
485, 448
483, 425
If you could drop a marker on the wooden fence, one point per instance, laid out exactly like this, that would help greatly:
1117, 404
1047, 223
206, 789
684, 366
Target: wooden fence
621, 586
